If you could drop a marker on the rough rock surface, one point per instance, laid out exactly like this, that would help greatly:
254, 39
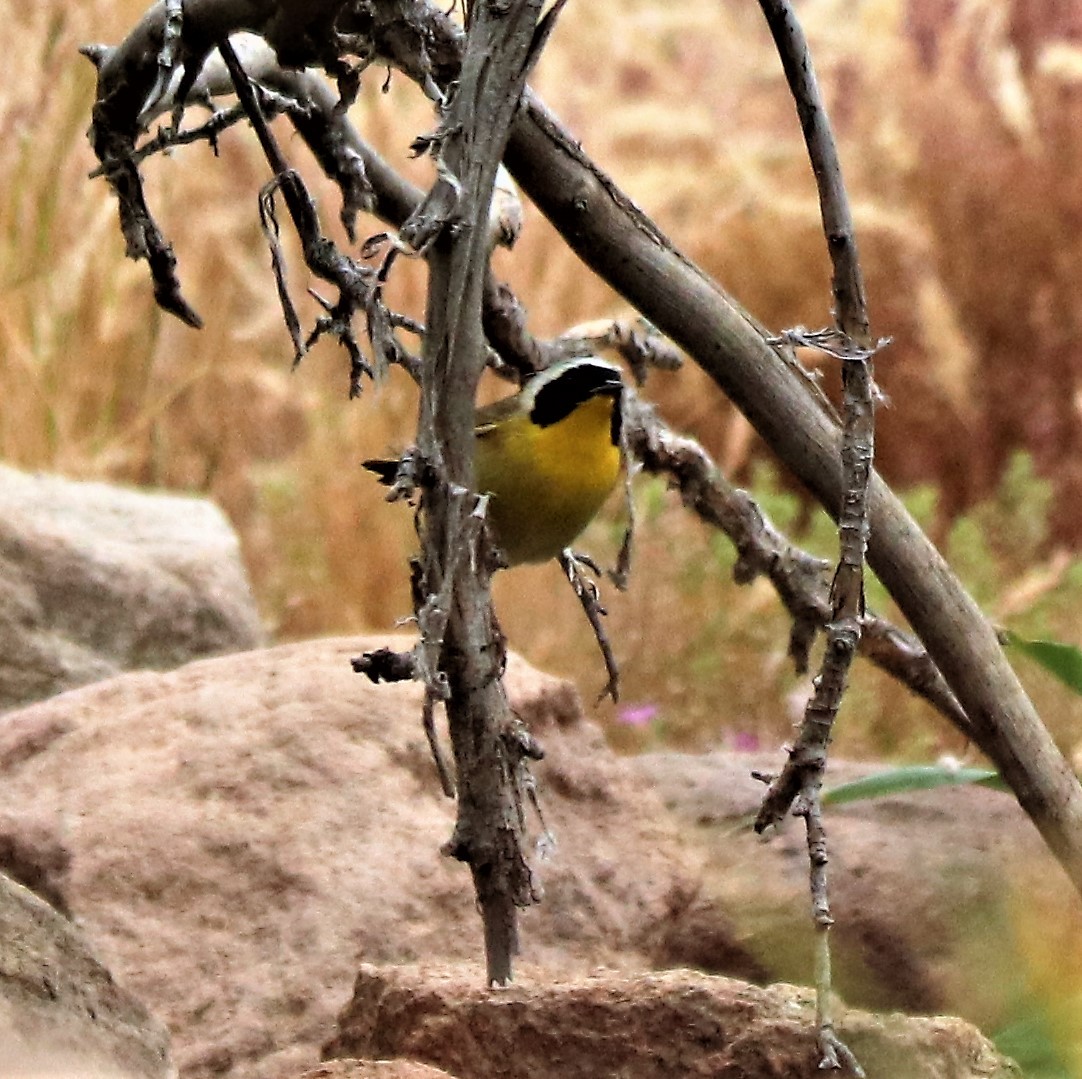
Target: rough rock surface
61, 1013
919, 884
639, 1026
375, 1069
96, 579
33, 854
237, 836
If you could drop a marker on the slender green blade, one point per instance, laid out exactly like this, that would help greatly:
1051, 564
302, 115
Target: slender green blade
1029, 1038
1062, 660
918, 777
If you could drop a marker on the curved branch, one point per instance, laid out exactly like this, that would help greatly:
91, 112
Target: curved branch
623, 247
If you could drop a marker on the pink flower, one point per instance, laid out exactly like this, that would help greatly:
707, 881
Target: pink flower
743, 741
637, 715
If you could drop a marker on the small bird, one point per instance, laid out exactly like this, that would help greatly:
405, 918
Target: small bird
548, 456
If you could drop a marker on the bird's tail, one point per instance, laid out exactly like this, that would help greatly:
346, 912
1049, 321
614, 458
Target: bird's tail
384, 470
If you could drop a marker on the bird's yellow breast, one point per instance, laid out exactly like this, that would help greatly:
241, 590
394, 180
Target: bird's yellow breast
547, 482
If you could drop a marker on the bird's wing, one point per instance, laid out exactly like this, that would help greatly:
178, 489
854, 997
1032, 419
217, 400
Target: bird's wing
487, 419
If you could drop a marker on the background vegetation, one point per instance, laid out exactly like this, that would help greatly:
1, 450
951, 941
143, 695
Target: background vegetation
960, 134
960, 127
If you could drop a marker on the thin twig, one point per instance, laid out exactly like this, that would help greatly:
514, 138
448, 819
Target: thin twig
268, 220
167, 138
587, 593
428, 721
803, 772
833, 1052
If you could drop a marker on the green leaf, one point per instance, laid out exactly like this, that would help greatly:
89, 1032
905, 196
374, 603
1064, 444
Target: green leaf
918, 777
1062, 660
1029, 1040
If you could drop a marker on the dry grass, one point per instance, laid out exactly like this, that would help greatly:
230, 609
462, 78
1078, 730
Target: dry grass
962, 151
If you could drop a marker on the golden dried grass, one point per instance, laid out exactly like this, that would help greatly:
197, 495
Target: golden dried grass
959, 134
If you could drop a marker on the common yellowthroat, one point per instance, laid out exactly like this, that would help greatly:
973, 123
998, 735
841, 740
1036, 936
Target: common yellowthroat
548, 456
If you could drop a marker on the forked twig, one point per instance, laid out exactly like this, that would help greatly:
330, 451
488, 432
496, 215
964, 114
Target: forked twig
167, 138
589, 596
321, 255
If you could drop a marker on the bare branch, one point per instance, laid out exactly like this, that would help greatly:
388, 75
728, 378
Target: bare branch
800, 579
490, 768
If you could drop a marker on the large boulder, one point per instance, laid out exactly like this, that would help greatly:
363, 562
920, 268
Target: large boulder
61, 1013
639, 1026
236, 837
96, 579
